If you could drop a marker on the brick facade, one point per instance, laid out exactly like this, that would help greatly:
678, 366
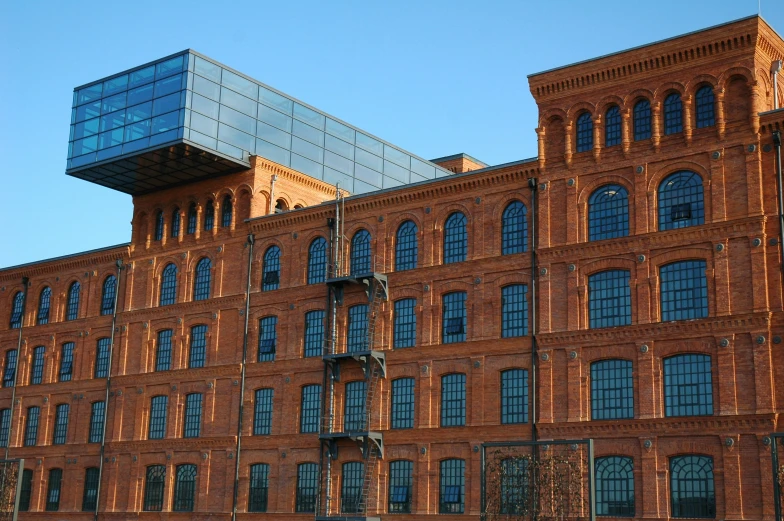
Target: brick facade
741, 332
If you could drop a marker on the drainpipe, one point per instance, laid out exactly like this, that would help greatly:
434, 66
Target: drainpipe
25, 280
251, 241
532, 184
775, 68
777, 145
119, 264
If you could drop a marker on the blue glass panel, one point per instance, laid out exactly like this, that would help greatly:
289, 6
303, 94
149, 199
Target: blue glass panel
273, 153
166, 122
340, 130
137, 130
341, 164
274, 118
85, 128
89, 94
237, 120
361, 188
205, 106
274, 135
113, 103
334, 177
237, 101
111, 138
140, 94
168, 85
204, 124
230, 150
423, 169
113, 120
306, 149
86, 145
235, 137
370, 144
163, 137
207, 141
83, 160
339, 146
308, 133
166, 104
306, 166
310, 117
369, 176
87, 111
139, 112
388, 182
240, 84
275, 100
108, 153
113, 85
133, 146
396, 156
206, 88
169, 67
398, 172
141, 76
207, 69
369, 160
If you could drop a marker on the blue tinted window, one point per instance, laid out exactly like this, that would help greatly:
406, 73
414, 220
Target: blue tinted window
406, 247
5, 426
102, 357
609, 299
608, 213
198, 350
262, 414
31, 426
681, 201
43, 305
453, 400
454, 317
317, 261
400, 483
168, 285
584, 132
614, 486
688, 387
673, 114
351, 490
455, 238
226, 212
159, 226
268, 338
175, 223
201, 282
53, 490
683, 290
163, 350
612, 390
452, 487
109, 295
158, 405
66, 362
405, 323
514, 396
270, 272
705, 111
612, 127
354, 413
692, 487
209, 216
97, 413
140, 95
141, 76
360, 253
259, 487
192, 219
514, 228
310, 409
307, 487
642, 120
72, 311
402, 411
37, 370
357, 338
9, 371
153, 488
17, 309
314, 333
192, 427
514, 310
60, 432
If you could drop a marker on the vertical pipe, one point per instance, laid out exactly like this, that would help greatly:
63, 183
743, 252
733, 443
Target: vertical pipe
774, 457
25, 280
251, 241
119, 264
532, 184
777, 145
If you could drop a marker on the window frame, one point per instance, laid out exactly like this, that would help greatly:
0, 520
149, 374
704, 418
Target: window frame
191, 427
268, 338
103, 347
514, 228
97, 417
44, 306
612, 389
317, 260
610, 483
209, 216
163, 348
514, 406
608, 213
227, 212
454, 317
400, 477
154, 488
642, 120
612, 126
453, 400
17, 310
609, 299
307, 487
514, 310
90, 490
361, 257
673, 114
675, 192
72, 307
184, 499
584, 132
197, 348
54, 490
168, 286
314, 341
270, 270
676, 381
202, 280
37, 365
264, 400
407, 246
451, 485
705, 107
159, 226
258, 494
310, 416
683, 290
60, 430
159, 406
455, 241
108, 294
709, 484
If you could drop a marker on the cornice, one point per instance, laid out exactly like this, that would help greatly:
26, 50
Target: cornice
46, 267
680, 329
172, 445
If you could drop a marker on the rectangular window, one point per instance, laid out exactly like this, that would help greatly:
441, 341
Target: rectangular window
192, 427
60, 432
688, 385
684, 290
314, 333
198, 350
10, 368
27, 490
310, 409
262, 416
5, 427
53, 490
405, 323
158, 406
402, 403
268, 336
514, 396
37, 371
454, 311
609, 299
351, 492
514, 310
307, 485
452, 487
31, 427
259, 486
354, 414
97, 412
66, 362
400, 482
163, 351
90, 489
102, 358
612, 390
357, 329
453, 400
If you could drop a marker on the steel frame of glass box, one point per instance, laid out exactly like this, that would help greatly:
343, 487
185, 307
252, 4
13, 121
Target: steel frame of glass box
186, 117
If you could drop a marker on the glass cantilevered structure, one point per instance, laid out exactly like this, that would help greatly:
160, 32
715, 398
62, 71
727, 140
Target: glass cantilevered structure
186, 117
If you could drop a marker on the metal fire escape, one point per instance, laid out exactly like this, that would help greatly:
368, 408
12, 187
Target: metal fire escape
337, 432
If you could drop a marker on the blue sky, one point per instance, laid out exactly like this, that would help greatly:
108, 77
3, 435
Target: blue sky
433, 77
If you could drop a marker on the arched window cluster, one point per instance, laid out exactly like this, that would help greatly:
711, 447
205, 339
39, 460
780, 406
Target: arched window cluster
192, 218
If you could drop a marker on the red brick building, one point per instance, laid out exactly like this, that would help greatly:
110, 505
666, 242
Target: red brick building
648, 226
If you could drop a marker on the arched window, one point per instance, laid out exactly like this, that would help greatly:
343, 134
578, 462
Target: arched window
169, 285
317, 261
612, 390
514, 485
692, 491
268, 338
584, 132
612, 126
43, 305
175, 223
614, 486
159, 226
259, 486
270, 272
455, 238
153, 487
514, 228
109, 293
9, 371
406, 247
681, 201
209, 216
72, 310
16, 310
192, 219
609, 299
226, 211
351, 493
360, 253
281, 206
642, 120
688, 385
704, 105
201, 282
608, 213
673, 114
